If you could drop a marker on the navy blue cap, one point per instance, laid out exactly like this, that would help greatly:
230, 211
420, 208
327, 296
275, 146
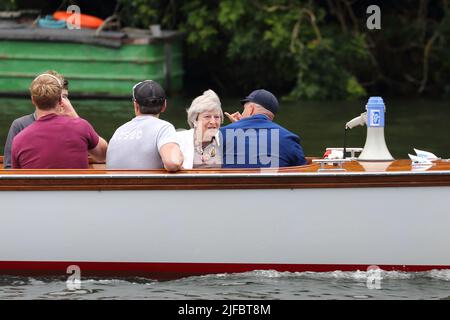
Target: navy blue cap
264, 98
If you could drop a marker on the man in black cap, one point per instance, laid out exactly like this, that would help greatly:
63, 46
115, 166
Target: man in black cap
253, 140
145, 142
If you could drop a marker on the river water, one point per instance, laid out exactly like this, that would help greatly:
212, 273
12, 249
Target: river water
409, 124
255, 285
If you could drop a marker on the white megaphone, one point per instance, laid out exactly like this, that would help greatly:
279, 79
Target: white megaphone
375, 148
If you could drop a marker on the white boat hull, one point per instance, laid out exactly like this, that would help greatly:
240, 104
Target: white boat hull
182, 232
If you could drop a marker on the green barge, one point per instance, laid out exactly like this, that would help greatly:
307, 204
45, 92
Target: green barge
97, 64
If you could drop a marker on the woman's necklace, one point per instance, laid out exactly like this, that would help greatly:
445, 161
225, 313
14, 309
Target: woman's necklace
205, 156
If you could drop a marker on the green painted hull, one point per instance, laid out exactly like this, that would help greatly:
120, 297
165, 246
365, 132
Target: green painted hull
91, 69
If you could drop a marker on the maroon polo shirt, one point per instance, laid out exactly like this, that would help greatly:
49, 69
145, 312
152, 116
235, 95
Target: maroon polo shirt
54, 142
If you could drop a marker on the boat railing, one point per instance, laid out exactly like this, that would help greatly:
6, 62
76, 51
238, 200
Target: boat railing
352, 151
331, 164
93, 164
315, 167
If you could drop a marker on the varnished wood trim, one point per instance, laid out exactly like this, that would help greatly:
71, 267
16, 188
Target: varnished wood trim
214, 183
397, 174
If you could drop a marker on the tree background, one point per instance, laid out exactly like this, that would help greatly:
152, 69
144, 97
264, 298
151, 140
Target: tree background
303, 49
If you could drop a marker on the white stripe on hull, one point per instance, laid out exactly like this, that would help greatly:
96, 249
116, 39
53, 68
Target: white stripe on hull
383, 226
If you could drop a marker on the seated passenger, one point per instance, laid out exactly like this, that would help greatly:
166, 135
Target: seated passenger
58, 139
145, 142
21, 123
253, 140
200, 145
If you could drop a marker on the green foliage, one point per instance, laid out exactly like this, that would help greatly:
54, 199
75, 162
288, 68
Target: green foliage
321, 75
202, 33
307, 49
140, 13
230, 13
7, 5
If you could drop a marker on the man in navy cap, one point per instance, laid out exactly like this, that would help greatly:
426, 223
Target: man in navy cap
253, 140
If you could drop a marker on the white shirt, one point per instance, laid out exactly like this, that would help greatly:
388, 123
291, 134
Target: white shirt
136, 144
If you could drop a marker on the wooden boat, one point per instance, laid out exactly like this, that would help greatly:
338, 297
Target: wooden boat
149, 223
96, 63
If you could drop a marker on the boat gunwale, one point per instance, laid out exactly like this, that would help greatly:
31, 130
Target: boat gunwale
397, 174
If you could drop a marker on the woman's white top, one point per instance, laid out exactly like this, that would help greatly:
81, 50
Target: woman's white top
186, 143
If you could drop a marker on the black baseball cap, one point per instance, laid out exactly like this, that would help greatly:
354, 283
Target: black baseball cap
148, 93
264, 98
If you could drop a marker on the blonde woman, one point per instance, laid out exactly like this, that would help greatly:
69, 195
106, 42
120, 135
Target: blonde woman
200, 145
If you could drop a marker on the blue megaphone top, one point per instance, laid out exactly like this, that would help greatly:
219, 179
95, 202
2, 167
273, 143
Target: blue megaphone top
375, 112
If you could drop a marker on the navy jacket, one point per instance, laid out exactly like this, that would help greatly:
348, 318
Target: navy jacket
257, 142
